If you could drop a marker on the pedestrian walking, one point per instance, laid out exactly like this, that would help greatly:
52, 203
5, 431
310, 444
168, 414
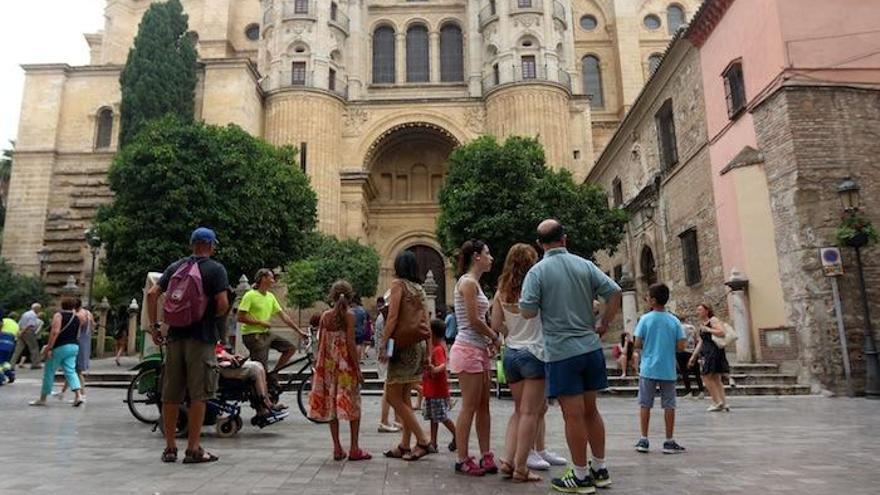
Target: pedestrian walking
407, 356
381, 314
256, 309
61, 351
683, 358
85, 348
29, 327
560, 289
470, 356
120, 334
337, 379
714, 358
435, 385
197, 299
659, 335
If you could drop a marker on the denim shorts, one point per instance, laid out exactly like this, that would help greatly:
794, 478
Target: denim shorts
576, 375
647, 389
520, 364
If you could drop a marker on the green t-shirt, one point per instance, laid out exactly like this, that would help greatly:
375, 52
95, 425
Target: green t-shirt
260, 307
10, 326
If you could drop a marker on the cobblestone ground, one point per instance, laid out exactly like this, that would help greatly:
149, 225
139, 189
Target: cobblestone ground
766, 445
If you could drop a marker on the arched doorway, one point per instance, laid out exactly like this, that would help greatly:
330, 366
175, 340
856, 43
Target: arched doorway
648, 266
430, 260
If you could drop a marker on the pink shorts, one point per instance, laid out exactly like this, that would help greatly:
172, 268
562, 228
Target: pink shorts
465, 358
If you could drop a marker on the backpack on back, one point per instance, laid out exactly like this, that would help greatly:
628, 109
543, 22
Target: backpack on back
185, 300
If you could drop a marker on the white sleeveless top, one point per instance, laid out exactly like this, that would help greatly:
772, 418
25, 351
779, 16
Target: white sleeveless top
523, 334
466, 333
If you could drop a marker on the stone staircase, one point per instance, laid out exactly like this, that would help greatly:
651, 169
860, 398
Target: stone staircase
749, 379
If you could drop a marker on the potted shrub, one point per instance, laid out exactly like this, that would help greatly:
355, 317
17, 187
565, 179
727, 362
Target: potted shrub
857, 231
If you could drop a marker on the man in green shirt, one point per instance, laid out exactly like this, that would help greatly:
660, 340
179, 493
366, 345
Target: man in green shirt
256, 309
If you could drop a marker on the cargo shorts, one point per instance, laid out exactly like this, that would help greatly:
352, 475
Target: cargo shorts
190, 367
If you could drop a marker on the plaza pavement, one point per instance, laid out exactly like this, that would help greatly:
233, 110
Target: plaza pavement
791, 445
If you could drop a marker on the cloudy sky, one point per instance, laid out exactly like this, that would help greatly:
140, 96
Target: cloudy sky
40, 31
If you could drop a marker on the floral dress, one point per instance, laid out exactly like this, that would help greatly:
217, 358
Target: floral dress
335, 389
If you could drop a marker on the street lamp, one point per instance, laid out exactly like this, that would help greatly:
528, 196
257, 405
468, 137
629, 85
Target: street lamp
94, 242
848, 190
43, 256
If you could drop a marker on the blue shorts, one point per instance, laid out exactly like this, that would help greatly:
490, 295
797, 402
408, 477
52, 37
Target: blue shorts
576, 375
648, 388
520, 364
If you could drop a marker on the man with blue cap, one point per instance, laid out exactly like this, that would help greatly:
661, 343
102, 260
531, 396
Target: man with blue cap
195, 297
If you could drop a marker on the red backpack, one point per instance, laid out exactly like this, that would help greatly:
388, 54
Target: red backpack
185, 300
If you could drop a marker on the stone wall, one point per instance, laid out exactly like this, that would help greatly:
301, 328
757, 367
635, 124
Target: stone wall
812, 137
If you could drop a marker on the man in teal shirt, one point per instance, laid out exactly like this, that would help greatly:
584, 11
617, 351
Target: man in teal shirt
561, 288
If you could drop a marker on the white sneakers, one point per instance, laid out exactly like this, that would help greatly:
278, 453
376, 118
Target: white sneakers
383, 428
541, 461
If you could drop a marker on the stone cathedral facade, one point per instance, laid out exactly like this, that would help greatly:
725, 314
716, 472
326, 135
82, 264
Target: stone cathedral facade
374, 93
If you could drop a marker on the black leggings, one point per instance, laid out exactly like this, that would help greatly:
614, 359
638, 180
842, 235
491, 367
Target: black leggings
683, 358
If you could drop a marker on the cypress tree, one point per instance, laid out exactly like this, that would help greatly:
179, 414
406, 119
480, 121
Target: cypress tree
160, 74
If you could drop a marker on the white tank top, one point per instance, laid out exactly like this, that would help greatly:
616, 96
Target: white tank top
466, 333
523, 334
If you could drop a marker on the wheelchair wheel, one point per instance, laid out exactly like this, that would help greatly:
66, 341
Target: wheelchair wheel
228, 426
302, 399
143, 396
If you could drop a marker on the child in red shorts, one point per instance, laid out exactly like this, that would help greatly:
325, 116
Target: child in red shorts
435, 386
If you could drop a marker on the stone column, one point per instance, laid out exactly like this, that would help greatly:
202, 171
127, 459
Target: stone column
357, 191
434, 48
430, 286
630, 312
739, 313
400, 58
102, 310
133, 309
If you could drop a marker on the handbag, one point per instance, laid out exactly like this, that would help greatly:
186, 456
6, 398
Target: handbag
407, 319
730, 336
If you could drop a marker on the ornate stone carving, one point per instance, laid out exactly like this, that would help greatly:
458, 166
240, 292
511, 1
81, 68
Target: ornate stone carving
354, 119
475, 119
527, 21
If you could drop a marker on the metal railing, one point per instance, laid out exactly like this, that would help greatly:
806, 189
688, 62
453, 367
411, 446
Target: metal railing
299, 9
517, 74
487, 14
559, 12
307, 80
517, 6
340, 19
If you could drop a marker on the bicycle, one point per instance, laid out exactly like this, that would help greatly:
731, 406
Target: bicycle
143, 397
301, 381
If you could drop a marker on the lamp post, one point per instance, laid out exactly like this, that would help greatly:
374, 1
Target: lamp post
43, 256
94, 242
848, 190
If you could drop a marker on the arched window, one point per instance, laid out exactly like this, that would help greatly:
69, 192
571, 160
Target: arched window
592, 74
674, 18
654, 62
417, 67
104, 137
451, 62
383, 55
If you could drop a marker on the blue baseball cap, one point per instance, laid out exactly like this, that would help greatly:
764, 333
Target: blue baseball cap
203, 234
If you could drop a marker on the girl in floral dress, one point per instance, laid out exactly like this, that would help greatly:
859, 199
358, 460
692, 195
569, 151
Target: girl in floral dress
336, 382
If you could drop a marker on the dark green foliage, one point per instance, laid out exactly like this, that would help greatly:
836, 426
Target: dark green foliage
160, 74
19, 291
500, 192
332, 259
174, 177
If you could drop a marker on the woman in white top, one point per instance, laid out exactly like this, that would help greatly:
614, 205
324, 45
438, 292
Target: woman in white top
523, 362
469, 358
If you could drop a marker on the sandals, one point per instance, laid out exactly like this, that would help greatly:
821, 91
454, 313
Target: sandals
199, 456
417, 453
338, 455
359, 455
397, 452
506, 469
524, 477
169, 454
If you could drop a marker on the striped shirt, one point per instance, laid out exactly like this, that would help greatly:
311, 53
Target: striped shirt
466, 333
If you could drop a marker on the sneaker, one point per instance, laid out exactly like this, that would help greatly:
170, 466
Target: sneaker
536, 462
58, 395
487, 463
383, 428
553, 458
715, 408
469, 467
672, 447
643, 446
569, 483
601, 478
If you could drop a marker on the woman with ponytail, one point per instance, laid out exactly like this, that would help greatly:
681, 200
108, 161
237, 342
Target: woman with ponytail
336, 382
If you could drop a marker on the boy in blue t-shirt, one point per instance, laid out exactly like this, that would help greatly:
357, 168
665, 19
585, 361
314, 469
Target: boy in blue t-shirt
659, 335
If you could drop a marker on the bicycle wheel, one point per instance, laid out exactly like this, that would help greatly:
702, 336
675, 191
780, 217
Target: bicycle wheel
143, 397
302, 399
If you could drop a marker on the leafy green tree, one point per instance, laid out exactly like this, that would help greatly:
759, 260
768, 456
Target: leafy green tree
19, 291
160, 74
499, 192
332, 259
175, 176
